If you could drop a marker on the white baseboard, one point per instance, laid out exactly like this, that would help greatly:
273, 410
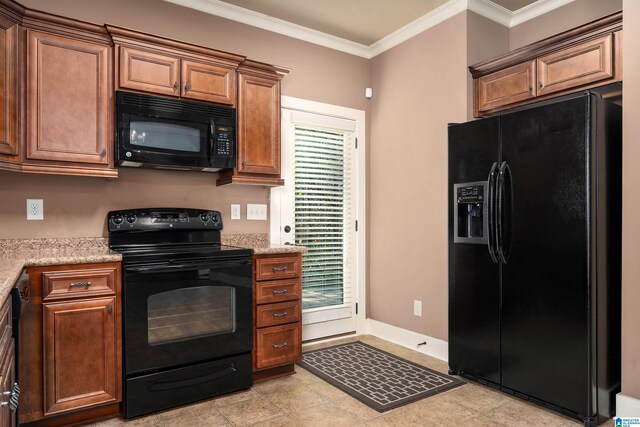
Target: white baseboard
627, 406
435, 347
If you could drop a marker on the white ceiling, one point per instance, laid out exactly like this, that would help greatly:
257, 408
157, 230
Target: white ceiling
364, 27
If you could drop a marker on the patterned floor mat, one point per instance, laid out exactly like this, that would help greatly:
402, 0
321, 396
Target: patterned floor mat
378, 379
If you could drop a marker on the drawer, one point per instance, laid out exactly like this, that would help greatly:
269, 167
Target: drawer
278, 291
78, 283
278, 345
282, 267
278, 314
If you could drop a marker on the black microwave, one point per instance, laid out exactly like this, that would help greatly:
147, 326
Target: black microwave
165, 133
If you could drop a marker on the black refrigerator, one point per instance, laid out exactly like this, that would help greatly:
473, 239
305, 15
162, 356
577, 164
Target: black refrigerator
534, 253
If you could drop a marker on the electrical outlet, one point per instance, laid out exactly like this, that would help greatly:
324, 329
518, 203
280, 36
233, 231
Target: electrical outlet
417, 308
257, 212
235, 211
35, 209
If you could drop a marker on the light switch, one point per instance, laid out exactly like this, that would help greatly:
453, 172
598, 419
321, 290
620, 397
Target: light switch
257, 212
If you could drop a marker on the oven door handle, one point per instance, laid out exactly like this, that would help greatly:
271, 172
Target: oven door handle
159, 268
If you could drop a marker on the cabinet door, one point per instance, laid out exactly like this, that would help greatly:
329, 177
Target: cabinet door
575, 66
258, 125
8, 87
69, 100
507, 86
208, 82
79, 343
149, 71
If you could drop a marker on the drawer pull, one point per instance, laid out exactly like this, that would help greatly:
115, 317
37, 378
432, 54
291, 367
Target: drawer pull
80, 284
281, 314
14, 398
282, 344
279, 268
279, 291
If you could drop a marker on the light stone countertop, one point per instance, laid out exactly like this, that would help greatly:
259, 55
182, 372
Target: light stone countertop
16, 254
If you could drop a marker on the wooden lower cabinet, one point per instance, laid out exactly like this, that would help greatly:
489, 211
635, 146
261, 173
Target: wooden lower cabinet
71, 345
277, 289
79, 342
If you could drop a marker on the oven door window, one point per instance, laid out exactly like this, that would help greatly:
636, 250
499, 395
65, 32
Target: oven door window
165, 136
191, 313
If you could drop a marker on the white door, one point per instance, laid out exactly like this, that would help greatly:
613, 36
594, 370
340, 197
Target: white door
318, 208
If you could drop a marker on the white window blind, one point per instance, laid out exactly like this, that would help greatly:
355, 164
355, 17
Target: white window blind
324, 212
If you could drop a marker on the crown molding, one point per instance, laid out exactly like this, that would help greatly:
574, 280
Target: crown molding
536, 9
485, 8
269, 23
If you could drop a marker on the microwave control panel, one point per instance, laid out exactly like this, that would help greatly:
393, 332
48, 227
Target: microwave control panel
224, 141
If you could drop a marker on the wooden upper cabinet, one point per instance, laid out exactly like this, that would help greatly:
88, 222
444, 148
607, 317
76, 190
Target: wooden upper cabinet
578, 65
149, 71
258, 125
578, 59
211, 82
513, 84
68, 100
168, 67
8, 87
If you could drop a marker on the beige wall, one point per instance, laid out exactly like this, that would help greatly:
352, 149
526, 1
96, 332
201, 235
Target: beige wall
631, 203
485, 39
77, 206
418, 88
566, 17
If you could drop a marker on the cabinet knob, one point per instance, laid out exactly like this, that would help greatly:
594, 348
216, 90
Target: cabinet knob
280, 314
187, 87
103, 152
175, 86
529, 88
281, 345
279, 268
539, 85
109, 309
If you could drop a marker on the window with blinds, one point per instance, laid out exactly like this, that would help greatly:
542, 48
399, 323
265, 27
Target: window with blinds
323, 213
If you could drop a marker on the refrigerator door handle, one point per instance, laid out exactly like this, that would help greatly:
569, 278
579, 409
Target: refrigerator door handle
491, 214
504, 202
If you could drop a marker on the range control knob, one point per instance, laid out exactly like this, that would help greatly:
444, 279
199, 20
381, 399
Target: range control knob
131, 219
215, 217
117, 220
204, 216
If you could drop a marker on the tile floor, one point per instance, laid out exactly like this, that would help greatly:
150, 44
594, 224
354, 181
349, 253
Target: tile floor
305, 400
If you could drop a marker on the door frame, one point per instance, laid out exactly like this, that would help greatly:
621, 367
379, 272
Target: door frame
360, 274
